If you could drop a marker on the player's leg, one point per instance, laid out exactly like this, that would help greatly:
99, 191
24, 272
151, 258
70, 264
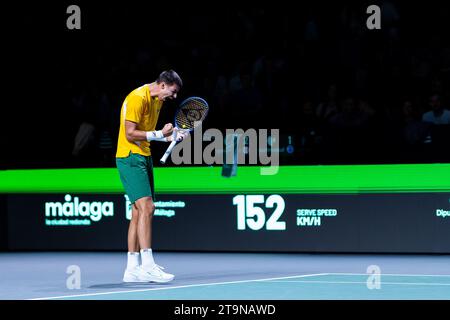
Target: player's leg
151, 271
146, 208
146, 205
132, 272
133, 245
133, 242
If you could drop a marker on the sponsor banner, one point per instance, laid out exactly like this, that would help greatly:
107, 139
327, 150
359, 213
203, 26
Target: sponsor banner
384, 223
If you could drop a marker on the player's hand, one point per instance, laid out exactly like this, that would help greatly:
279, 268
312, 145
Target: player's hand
178, 134
167, 130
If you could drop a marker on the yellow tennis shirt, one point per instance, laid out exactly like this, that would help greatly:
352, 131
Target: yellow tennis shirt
143, 109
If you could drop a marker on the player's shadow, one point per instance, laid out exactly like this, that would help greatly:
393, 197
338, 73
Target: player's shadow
127, 285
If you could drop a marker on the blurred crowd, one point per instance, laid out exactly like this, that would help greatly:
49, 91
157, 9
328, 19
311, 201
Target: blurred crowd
344, 93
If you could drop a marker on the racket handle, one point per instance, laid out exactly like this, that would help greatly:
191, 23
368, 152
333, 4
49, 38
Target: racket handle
168, 151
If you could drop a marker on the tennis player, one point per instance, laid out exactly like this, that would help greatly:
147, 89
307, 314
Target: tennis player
138, 118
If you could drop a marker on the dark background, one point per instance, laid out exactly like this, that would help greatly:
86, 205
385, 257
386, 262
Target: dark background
345, 94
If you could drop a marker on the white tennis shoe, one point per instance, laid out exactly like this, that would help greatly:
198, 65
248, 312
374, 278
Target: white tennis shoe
132, 275
147, 274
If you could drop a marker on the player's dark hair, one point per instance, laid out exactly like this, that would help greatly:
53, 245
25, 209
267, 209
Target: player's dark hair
170, 77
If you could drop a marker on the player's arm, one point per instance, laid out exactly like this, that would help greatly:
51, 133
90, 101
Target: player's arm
133, 134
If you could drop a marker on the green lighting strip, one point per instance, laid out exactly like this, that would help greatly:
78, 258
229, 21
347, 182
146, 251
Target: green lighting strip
289, 179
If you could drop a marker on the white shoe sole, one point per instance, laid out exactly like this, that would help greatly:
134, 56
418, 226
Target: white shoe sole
159, 280
147, 279
132, 279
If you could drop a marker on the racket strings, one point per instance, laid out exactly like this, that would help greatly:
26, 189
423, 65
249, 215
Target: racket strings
190, 113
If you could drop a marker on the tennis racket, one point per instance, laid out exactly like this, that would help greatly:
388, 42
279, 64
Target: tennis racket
189, 115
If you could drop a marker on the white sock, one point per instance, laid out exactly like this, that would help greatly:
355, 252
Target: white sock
147, 258
133, 260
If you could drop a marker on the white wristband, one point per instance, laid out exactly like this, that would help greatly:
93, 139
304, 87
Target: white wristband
155, 136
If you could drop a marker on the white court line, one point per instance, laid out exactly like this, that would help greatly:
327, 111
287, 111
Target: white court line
365, 283
389, 274
178, 287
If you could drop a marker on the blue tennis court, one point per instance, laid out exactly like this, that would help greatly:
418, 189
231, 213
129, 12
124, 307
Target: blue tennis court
230, 276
